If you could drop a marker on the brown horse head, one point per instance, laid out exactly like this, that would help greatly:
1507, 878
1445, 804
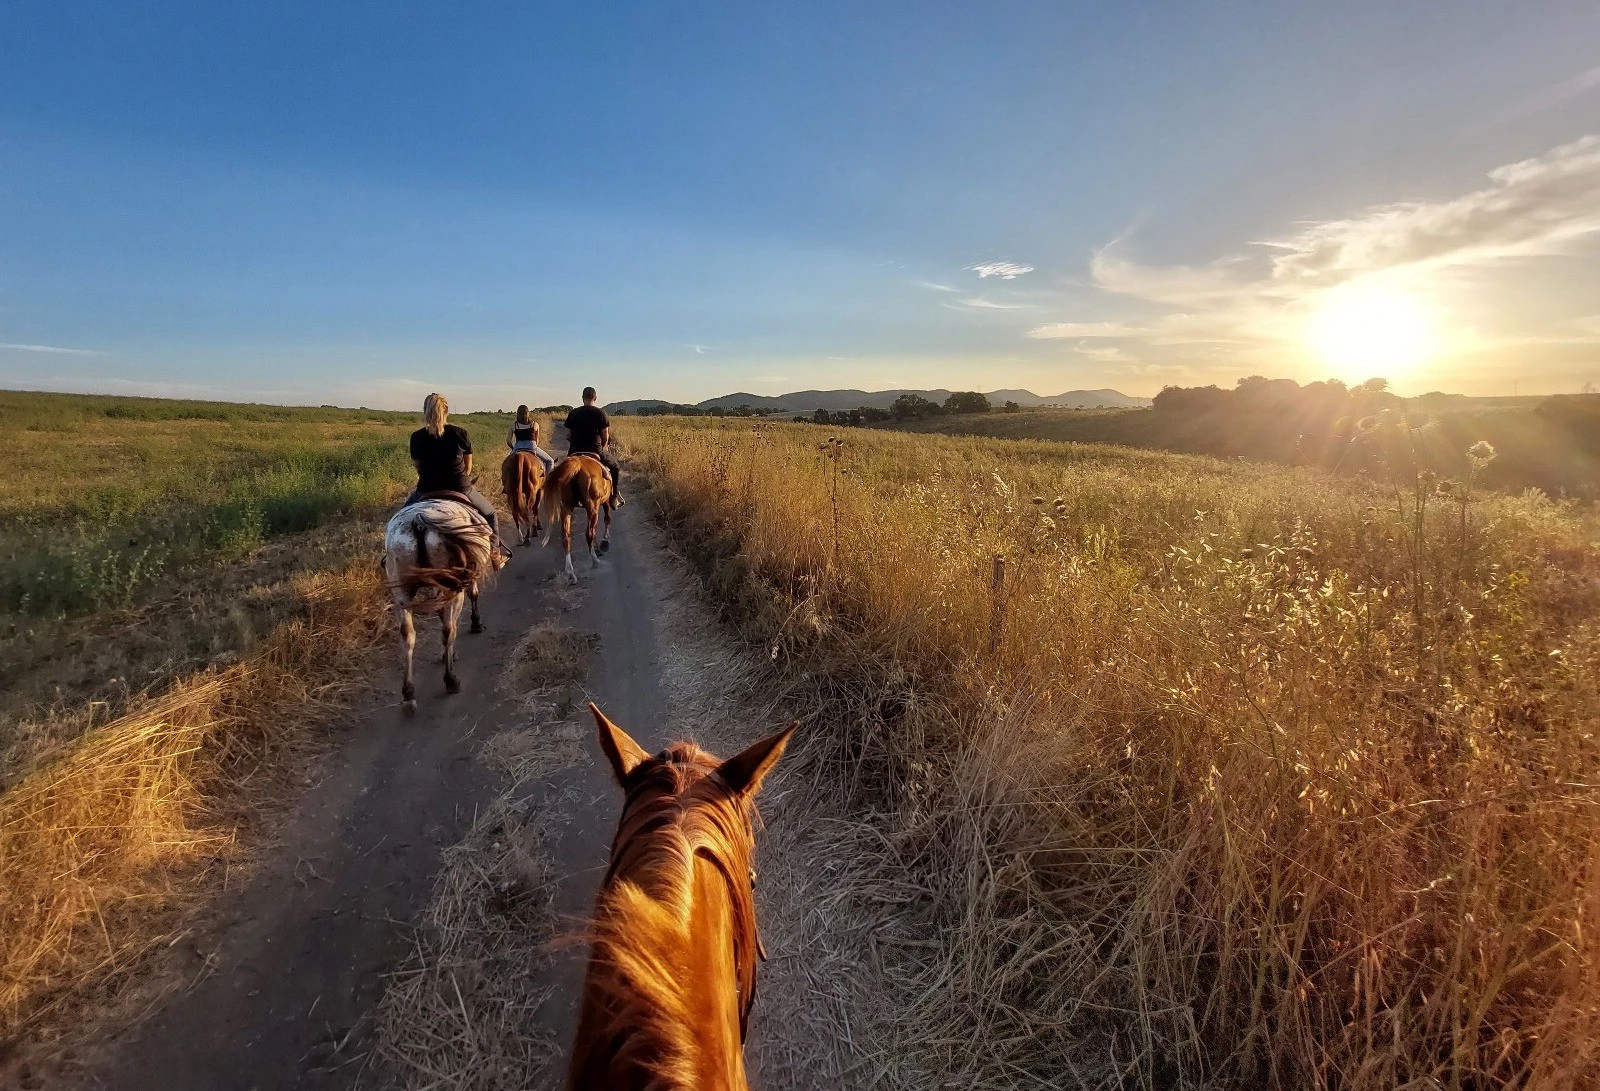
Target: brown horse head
672, 966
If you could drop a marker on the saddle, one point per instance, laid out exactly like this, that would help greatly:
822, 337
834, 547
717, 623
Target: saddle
596, 460
448, 494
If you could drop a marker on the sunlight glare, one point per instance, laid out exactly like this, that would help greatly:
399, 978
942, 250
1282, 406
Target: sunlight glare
1362, 329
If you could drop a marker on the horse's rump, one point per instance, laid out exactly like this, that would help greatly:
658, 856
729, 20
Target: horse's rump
437, 549
520, 476
575, 482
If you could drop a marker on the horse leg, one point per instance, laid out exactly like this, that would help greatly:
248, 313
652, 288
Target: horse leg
533, 514
408, 645
566, 541
592, 509
605, 538
472, 597
449, 617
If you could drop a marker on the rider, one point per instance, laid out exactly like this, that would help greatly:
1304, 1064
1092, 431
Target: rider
524, 436
589, 432
442, 454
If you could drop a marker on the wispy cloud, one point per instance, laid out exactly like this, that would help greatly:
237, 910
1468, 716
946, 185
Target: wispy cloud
58, 349
935, 287
1005, 270
1105, 354
1258, 301
1534, 208
977, 304
1067, 330
701, 350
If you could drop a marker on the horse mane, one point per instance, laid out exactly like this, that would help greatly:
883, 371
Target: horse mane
677, 815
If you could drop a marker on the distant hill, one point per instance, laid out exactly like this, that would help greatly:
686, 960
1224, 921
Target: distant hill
809, 401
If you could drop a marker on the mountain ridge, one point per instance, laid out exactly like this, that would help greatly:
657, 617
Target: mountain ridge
809, 401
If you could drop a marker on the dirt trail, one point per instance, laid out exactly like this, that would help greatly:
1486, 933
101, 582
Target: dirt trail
289, 973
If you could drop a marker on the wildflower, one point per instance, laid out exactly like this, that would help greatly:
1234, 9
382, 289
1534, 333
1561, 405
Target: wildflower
1482, 453
1039, 500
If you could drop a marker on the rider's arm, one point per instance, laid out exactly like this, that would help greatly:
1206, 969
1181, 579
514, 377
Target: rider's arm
511, 437
605, 438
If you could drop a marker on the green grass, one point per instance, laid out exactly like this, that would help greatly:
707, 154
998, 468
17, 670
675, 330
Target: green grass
105, 497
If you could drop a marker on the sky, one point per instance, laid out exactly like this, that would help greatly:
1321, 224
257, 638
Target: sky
358, 203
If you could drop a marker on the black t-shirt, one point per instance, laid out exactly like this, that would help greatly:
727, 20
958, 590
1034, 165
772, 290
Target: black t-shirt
442, 459
584, 425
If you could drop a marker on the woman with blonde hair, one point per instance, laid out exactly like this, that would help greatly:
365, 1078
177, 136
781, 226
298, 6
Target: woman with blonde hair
442, 454
523, 435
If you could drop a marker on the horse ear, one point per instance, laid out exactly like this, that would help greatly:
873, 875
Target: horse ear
745, 770
622, 752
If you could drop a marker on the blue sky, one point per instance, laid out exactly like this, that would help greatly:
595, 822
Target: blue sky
358, 203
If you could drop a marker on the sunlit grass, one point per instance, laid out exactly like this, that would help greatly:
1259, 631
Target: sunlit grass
1242, 771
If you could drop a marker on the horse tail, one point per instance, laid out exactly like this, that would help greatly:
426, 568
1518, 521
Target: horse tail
419, 531
550, 503
528, 487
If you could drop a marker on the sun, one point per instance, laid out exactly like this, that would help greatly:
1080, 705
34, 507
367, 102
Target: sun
1365, 329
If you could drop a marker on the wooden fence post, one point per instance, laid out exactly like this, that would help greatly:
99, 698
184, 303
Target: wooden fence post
997, 602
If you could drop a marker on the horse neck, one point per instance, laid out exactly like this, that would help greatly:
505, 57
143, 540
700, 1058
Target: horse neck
664, 985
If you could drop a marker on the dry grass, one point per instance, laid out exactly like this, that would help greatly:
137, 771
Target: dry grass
104, 847
1245, 775
464, 1012
188, 588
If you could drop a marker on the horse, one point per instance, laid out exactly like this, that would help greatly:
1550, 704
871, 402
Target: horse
673, 943
436, 552
577, 481
521, 479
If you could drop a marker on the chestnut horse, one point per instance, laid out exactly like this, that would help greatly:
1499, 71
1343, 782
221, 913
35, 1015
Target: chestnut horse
577, 481
672, 960
521, 478
436, 552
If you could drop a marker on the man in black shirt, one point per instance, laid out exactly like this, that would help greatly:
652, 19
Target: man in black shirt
589, 433
442, 454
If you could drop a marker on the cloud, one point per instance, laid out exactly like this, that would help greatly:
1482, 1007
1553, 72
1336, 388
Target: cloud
1005, 270
701, 350
1066, 330
1535, 207
933, 287
1106, 354
1478, 258
986, 305
58, 349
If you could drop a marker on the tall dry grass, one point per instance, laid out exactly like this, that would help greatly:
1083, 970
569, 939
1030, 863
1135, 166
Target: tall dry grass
104, 847
1243, 774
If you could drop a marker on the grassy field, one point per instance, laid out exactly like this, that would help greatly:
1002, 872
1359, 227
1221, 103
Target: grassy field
1551, 444
181, 584
1223, 771
1226, 771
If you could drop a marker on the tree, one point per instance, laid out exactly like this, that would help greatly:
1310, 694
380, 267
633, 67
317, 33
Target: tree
966, 401
1012, 407
821, 416
913, 405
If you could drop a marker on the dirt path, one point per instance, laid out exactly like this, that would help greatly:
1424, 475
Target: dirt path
289, 976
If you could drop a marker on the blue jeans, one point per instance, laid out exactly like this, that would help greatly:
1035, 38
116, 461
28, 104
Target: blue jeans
538, 453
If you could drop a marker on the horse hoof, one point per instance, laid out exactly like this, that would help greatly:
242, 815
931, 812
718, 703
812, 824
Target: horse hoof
409, 707
477, 627
605, 546
452, 684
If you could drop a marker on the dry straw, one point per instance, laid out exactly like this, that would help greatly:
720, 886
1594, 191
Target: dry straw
102, 849
1268, 777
